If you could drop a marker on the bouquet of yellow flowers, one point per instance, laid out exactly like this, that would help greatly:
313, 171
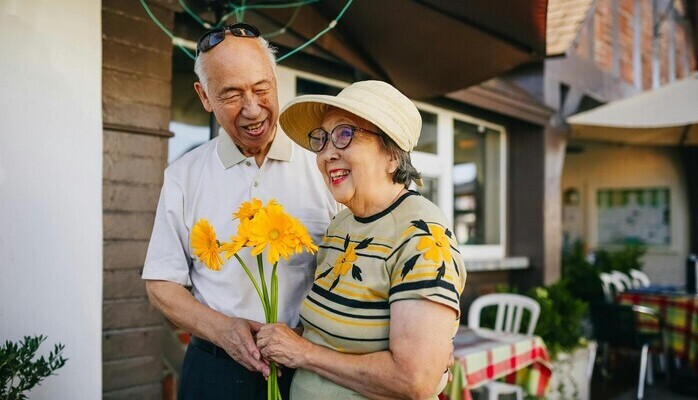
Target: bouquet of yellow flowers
261, 228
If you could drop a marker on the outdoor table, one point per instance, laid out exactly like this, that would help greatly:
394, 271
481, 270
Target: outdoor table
483, 355
680, 314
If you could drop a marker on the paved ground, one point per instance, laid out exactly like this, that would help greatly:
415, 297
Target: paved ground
622, 383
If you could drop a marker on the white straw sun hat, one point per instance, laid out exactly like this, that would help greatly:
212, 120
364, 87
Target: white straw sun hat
375, 101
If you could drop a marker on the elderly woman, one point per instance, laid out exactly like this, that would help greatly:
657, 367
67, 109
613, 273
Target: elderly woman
380, 318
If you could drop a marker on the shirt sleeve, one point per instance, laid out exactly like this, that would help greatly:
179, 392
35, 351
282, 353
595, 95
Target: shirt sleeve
427, 266
168, 255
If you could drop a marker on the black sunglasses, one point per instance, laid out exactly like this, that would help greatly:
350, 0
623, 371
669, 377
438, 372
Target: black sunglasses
215, 36
340, 136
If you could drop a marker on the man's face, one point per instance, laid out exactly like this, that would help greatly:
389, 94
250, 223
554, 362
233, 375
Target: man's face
242, 92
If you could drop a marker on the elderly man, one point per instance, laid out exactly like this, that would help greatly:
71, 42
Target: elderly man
251, 157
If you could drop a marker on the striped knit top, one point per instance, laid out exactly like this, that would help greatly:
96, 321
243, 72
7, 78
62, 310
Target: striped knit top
364, 264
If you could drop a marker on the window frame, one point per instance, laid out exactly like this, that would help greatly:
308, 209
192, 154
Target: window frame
439, 165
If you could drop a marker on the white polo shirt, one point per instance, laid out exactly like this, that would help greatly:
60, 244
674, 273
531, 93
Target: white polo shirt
211, 182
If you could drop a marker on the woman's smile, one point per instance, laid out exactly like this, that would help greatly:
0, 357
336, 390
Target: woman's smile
337, 176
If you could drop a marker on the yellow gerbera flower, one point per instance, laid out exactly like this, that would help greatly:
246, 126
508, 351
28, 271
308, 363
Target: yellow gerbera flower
345, 261
248, 209
271, 229
437, 245
238, 241
205, 244
302, 237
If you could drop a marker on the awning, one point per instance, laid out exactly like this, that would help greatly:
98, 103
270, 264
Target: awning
426, 48
667, 117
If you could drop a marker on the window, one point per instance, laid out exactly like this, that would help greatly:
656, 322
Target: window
428, 137
462, 161
190, 123
429, 188
477, 184
306, 86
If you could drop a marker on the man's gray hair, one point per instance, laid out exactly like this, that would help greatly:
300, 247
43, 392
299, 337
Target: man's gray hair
405, 172
199, 62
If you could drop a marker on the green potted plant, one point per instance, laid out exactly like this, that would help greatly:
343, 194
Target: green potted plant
20, 371
560, 327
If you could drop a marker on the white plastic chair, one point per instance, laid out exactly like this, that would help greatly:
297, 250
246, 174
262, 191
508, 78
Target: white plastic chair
611, 286
624, 279
510, 311
640, 279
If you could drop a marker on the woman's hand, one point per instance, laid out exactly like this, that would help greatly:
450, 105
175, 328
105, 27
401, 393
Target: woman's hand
283, 345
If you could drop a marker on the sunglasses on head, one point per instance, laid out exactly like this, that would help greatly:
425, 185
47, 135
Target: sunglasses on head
340, 137
215, 36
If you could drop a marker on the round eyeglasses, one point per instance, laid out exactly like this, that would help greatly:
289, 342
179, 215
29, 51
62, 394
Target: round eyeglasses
341, 136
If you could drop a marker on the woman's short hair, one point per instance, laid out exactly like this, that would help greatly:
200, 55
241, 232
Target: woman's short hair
405, 172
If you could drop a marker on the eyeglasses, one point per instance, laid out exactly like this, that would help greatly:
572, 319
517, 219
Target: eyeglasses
215, 36
340, 136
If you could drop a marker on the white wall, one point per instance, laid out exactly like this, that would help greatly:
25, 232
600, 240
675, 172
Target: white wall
51, 185
614, 167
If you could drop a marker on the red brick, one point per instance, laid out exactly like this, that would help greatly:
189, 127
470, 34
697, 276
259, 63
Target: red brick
136, 115
140, 32
144, 146
140, 170
130, 58
128, 197
122, 284
122, 314
151, 391
130, 87
128, 226
124, 254
131, 343
123, 374
135, 10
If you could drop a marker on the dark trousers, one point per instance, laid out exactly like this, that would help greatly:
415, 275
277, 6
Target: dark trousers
210, 375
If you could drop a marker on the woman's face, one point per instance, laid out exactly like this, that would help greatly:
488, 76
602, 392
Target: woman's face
360, 173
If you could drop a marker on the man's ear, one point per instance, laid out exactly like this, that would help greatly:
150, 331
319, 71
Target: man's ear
199, 88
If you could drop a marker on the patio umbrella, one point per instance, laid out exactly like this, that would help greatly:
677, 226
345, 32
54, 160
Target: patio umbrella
666, 116
426, 48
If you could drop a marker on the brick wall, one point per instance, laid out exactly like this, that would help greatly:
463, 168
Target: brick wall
137, 68
608, 22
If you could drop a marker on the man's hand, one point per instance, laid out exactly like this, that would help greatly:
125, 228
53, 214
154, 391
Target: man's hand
236, 338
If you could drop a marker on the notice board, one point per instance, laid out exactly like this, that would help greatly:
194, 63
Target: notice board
640, 215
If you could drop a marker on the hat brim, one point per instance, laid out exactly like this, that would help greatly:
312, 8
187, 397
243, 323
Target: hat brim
305, 113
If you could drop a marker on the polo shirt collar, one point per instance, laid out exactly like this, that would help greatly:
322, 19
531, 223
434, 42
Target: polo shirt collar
228, 153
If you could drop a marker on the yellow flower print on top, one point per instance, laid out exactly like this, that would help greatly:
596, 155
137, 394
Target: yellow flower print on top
345, 261
438, 248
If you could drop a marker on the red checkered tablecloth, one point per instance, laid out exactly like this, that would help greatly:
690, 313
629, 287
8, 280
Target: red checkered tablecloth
483, 355
680, 313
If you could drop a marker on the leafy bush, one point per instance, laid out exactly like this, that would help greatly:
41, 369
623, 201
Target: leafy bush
561, 314
19, 372
624, 259
582, 271
564, 304
582, 275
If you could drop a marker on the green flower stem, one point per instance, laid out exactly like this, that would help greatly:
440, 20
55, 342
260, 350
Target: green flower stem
274, 294
260, 266
270, 382
273, 383
254, 282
